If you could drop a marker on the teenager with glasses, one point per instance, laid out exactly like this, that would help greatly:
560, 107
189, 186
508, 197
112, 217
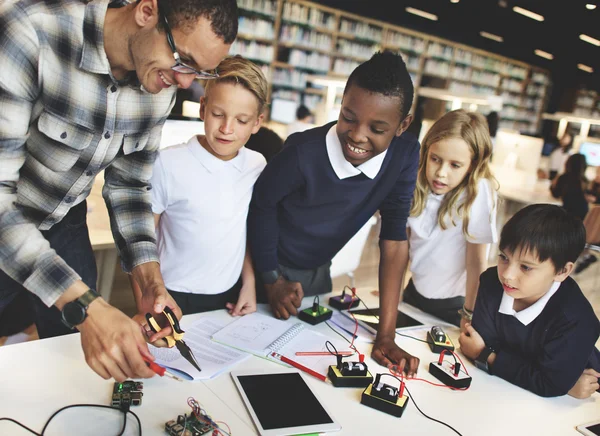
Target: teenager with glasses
87, 86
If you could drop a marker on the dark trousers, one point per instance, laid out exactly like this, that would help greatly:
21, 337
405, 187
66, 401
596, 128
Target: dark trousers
196, 303
443, 308
71, 241
314, 281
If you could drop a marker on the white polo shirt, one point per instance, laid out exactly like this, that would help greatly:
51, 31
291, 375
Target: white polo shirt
203, 202
438, 257
527, 315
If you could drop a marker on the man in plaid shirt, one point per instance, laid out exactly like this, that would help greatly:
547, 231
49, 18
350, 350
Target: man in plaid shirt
86, 86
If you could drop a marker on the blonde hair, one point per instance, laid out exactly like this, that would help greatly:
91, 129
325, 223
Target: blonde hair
241, 71
472, 128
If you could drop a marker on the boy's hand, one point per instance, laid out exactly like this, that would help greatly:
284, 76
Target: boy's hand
471, 343
586, 385
387, 353
246, 301
284, 297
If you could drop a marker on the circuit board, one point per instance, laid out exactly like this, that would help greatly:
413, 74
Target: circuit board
127, 394
187, 425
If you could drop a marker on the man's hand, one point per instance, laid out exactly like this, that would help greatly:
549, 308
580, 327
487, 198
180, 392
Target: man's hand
151, 296
113, 343
388, 354
586, 385
246, 301
284, 297
471, 343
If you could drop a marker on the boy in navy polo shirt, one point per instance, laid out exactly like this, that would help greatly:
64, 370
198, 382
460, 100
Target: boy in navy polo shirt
325, 185
532, 325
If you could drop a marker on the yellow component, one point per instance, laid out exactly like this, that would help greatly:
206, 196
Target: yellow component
337, 372
400, 402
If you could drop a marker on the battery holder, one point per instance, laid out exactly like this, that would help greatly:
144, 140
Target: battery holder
315, 314
438, 340
385, 398
349, 374
450, 374
344, 301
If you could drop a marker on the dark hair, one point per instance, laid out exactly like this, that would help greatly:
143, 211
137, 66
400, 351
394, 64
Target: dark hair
385, 73
302, 112
266, 142
575, 166
546, 230
492, 120
569, 146
183, 14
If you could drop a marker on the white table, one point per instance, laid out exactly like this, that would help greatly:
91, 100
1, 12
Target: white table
42, 376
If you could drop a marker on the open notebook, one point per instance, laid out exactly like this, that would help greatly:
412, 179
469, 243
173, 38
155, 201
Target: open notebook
263, 335
212, 357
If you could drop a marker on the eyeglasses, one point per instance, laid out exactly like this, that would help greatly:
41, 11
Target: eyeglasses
179, 66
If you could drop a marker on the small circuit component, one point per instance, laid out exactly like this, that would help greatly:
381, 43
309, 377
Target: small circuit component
127, 394
187, 425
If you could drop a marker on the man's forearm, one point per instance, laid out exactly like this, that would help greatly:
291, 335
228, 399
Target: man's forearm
392, 266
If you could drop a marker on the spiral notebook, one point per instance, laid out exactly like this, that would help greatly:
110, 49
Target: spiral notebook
263, 335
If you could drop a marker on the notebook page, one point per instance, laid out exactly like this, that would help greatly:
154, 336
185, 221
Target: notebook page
212, 357
310, 340
252, 333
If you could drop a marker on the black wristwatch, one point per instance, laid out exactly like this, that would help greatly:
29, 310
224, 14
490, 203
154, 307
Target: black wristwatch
481, 361
75, 312
270, 277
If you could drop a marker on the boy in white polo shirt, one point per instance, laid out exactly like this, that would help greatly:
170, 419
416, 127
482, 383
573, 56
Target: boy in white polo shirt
200, 197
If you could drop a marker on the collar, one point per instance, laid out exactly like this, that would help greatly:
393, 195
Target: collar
93, 55
528, 315
212, 163
344, 169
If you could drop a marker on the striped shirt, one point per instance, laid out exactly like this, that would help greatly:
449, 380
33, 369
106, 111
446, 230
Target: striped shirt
65, 118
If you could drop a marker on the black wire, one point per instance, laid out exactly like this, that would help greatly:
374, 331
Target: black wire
341, 335
21, 425
429, 417
79, 405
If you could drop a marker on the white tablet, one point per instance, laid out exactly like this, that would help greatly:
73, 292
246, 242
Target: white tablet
590, 429
282, 404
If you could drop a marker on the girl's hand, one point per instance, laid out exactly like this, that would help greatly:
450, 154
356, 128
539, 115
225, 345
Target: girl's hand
387, 353
246, 301
586, 385
471, 343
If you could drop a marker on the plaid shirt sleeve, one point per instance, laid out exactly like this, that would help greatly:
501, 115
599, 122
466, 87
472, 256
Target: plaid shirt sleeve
25, 255
127, 195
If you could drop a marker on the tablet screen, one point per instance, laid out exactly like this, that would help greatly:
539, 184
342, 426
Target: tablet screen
595, 429
283, 400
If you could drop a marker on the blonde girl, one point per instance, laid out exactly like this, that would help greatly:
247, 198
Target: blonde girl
453, 217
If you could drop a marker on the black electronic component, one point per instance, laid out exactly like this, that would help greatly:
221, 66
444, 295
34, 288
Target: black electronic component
385, 398
187, 425
315, 314
344, 301
450, 374
438, 340
127, 394
349, 374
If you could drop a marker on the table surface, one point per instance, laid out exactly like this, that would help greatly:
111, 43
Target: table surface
45, 375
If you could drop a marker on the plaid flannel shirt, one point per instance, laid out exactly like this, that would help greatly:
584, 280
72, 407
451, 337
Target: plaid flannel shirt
63, 119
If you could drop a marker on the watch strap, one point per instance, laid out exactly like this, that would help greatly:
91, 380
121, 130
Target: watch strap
86, 299
270, 277
481, 361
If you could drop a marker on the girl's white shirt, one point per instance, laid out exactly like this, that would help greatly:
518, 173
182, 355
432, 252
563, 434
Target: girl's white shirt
438, 257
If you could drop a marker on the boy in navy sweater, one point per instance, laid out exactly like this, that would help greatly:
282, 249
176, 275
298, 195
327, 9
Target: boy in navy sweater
532, 326
325, 185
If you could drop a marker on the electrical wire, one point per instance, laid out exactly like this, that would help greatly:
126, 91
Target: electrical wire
429, 417
78, 405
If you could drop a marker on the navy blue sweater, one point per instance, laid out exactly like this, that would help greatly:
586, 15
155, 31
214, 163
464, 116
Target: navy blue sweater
302, 214
547, 356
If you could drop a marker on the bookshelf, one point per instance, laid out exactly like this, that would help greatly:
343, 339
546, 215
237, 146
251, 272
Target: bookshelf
293, 40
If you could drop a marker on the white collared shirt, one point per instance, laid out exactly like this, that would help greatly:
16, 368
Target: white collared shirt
344, 169
528, 315
203, 202
438, 257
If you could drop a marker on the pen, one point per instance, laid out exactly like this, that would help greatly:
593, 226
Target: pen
323, 353
300, 367
159, 369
